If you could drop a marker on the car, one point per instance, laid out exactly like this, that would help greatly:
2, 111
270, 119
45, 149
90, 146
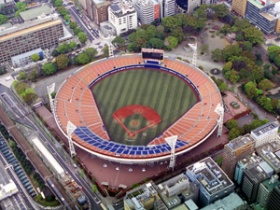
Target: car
74, 165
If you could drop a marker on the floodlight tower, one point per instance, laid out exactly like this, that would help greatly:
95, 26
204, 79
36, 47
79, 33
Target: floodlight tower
220, 111
50, 90
171, 141
111, 50
70, 128
194, 58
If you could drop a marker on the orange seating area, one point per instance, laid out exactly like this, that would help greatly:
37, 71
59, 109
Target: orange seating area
75, 103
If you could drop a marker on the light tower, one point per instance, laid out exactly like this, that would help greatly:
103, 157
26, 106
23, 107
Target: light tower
220, 111
70, 128
111, 51
50, 90
171, 141
194, 48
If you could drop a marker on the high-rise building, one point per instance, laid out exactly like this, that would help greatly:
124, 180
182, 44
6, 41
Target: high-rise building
245, 164
273, 201
180, 185
97, 10
239, 6
213, 183
122, 16
143, 197
270, 152
252, 179
41, 33
263, 14
234, 151
265, 189
187, 6
169, 8
147, 11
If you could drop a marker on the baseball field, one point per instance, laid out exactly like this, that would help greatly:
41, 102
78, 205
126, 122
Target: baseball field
138, 105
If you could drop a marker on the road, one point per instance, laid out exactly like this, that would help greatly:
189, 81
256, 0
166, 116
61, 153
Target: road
23, 115
77, 16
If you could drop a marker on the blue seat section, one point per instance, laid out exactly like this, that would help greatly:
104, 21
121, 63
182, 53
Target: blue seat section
88, 136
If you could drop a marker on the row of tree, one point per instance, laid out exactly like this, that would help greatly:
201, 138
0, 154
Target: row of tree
235, 130
25, 91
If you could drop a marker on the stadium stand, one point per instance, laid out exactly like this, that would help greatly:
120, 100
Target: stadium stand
74, 102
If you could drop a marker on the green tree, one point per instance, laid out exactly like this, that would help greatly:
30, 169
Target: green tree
234, 133
63, 48
55, 53
257, 74
82, 37
251, 89
156, 43
265, 103
91, 52
253, 35
118, 41
20, 87
170, 22
105, 51
178, 33
3, 19
171, 42
22, 75
72, 45
62, 10
66, 18
77, 31
35, 57
49, 68
240, 24
216, 55
29, 95
21, 6
265, 84
231, 124
221, 10
82, 58
73, 25
219, 160
230, 51
62, 61
58, 3
223, 87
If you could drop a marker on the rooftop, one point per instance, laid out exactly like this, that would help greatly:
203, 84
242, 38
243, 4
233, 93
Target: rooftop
35, 12
210, 176
250, 161
240, 141
265, 129
231, 202
269, 184
270, 152
45, 152
28, 28
260, 172
120, 8
136, 198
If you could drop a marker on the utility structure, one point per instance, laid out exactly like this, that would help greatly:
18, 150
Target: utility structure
50, 90
111, 51
70, 128
220, 111
194, 58
171, 141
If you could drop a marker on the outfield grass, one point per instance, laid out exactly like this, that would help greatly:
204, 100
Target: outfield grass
167, 94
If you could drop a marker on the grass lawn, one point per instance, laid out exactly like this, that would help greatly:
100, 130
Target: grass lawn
165, 93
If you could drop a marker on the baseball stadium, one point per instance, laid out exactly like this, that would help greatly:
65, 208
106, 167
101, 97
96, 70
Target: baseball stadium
123, 108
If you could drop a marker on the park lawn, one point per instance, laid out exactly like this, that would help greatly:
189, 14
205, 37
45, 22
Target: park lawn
168, 95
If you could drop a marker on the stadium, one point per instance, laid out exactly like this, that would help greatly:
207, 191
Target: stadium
124, 108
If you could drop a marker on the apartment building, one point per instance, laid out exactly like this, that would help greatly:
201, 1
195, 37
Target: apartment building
97, 10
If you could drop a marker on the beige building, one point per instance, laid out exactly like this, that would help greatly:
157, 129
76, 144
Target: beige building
30, 36
239, 6
234, 151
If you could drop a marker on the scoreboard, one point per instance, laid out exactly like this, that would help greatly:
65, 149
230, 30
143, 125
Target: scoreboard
152, 54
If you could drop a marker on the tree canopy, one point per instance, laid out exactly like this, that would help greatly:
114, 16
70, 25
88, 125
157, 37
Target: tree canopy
82, 58
62, 61
35, 57
49, 68
3, 19
91, 52
82, 37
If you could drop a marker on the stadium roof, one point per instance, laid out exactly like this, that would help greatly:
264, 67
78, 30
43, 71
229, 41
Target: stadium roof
35, 12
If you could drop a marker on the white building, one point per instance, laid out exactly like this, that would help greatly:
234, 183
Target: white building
48, 158
25, 58
169, 8
8, 190
266, 133
147, 11
122, 16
